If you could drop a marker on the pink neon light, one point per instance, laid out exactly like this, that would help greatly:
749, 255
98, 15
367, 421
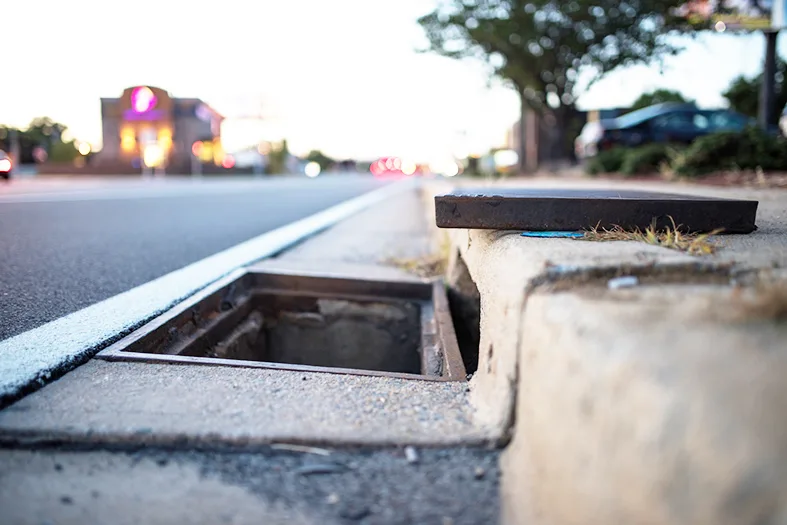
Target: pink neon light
143, 99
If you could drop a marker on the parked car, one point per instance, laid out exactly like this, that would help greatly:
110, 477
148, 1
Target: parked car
5, 165
668, 122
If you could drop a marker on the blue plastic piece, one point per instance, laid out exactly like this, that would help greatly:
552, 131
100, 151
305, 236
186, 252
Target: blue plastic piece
553, 235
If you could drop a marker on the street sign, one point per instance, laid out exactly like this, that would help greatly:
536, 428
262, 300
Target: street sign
736, 15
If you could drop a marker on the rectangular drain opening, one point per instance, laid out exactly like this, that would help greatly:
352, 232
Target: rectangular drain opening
308, 323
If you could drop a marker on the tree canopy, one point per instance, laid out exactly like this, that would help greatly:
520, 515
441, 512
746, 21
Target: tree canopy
659, 96
539, 46
320, 158
743, 94
41, 132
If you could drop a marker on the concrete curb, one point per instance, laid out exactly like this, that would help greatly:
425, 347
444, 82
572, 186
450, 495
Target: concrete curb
656, 404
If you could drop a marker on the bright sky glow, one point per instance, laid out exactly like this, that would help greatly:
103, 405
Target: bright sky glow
340, 76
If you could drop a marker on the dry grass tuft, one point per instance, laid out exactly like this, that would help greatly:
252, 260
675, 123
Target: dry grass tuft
672, 238
430, 266
433, 265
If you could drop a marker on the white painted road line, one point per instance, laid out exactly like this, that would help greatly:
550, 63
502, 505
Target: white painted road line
30, 358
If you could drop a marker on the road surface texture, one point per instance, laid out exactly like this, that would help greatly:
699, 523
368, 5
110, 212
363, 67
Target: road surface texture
69, 244
368, 486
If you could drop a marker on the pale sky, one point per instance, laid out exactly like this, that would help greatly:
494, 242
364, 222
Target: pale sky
340, 75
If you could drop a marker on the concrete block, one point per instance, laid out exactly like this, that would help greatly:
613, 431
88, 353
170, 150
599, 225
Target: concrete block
651, 405
505, 267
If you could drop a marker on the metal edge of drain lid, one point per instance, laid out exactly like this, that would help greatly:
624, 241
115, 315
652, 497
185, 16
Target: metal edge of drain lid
452, 364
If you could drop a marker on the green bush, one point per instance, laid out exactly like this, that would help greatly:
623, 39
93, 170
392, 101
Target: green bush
63, 152
608, 161
646, 159
749, 149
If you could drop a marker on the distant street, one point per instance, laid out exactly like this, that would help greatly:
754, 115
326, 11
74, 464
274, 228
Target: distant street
67, 244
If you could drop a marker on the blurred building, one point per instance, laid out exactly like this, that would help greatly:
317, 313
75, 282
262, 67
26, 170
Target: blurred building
146, 125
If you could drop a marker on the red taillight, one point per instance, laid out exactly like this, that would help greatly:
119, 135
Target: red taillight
5, 165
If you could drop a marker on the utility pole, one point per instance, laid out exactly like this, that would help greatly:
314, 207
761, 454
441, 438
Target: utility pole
196, 166
768, 89
14, 148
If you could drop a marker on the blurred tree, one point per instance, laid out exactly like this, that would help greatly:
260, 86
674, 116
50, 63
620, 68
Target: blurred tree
320, 158
5, 142
45, 131
659, 96
277, 158
63, 151
540, 46
743, 94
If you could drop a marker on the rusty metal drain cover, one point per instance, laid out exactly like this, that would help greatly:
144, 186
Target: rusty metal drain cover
573, 210
307, 323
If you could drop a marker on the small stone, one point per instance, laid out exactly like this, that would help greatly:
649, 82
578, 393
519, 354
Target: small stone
162, 462
355, 512
622, 282
332, 499
58, 467
479, 472
411, 454
320, 468
66, 500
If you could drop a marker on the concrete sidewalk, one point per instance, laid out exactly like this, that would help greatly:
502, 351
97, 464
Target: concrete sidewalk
659, 403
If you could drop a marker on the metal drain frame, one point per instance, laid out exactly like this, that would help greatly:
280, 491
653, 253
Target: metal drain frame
222, 303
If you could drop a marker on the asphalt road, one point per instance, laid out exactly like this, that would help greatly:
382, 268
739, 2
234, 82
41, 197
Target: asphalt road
65, 245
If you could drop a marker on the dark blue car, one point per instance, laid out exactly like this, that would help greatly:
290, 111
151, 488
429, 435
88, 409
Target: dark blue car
666, 123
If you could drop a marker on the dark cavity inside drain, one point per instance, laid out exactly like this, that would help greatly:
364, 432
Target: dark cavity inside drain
307, 323
328, 333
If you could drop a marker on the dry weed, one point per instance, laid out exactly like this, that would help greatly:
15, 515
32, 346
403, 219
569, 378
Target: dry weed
433, 265
672, 238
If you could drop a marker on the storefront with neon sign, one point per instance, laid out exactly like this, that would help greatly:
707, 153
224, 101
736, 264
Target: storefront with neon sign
146, 126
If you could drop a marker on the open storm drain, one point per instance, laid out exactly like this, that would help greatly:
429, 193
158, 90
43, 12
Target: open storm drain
308, 323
